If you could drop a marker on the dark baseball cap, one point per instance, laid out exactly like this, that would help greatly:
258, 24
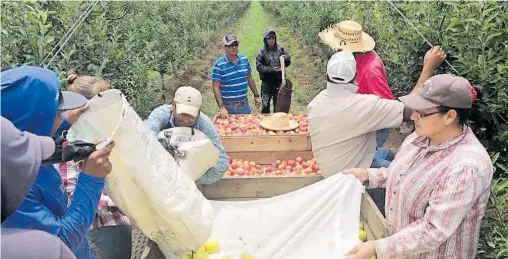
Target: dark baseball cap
69, 101
441, 90
22, 153
229, 39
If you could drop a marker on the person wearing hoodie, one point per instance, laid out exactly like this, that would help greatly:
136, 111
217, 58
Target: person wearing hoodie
33, 101
268, 66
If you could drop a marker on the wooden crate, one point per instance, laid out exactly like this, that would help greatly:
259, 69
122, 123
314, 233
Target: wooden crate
265, 187
267, 158
265, 143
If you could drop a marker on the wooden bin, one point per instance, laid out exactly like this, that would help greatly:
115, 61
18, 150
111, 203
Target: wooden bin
265, 187
276, 143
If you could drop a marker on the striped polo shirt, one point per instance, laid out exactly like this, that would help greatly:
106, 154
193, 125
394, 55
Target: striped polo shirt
233, 77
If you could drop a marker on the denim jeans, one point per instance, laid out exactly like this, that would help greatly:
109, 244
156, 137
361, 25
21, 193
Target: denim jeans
241, 107
382, 136
114, 242
382, 158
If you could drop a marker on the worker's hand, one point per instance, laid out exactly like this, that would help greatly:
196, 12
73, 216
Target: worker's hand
277, 69
257, 102
71, 116
433, 58
98, 163
224, 113
361, 173
363, 251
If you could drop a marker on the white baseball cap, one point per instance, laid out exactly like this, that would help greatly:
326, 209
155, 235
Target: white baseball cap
341, 68
188, 100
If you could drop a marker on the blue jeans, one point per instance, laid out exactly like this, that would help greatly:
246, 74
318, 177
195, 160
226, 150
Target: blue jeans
382, 158
113, 242
382, 136
240, 107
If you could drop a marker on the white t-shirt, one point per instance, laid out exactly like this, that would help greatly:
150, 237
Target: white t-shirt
343, 126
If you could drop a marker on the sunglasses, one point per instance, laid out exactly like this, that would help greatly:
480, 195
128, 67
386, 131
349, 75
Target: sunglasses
234, 45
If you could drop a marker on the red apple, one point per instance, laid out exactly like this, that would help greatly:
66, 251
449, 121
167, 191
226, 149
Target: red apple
291, 163
278, 162
234, 165
305, 165
299, 159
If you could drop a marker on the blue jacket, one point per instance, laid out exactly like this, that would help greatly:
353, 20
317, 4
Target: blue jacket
30, 101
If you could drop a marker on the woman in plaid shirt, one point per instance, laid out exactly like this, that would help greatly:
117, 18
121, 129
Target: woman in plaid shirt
438, 186
110, 233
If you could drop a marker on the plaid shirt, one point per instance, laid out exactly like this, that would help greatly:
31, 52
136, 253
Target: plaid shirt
436, 197
107, 214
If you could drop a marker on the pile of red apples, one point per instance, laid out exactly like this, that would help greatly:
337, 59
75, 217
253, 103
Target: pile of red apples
248, 125
297, 167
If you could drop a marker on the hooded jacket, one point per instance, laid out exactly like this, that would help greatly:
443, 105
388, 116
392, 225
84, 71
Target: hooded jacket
267, 60
30, 102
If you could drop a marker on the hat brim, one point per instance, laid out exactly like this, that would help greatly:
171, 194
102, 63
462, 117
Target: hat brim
417, 102
328, 38
187, 109
71, 101
266, 123
229, 43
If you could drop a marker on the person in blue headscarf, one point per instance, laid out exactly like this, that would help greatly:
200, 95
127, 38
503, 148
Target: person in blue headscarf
33, 101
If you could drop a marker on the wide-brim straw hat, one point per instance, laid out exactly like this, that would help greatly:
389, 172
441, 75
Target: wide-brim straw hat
279, 121
347, 35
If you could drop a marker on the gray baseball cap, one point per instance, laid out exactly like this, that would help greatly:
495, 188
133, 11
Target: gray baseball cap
441, 90
22, 153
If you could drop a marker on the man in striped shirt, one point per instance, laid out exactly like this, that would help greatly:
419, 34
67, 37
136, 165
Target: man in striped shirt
231, 75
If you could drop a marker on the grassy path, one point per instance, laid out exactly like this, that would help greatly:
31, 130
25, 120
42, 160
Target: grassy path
306, 73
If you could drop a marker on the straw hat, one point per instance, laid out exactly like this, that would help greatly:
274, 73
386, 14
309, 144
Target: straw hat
347, 35
279, 121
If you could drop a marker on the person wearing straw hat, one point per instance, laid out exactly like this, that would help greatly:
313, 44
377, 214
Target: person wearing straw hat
439, 184
343, 123
371, 75
231, 76
279, 121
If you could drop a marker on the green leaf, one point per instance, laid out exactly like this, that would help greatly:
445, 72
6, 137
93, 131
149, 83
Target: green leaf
44, 16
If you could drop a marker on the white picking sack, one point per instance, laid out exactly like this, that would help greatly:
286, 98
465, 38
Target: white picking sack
317, 221
198, 152
146, 182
